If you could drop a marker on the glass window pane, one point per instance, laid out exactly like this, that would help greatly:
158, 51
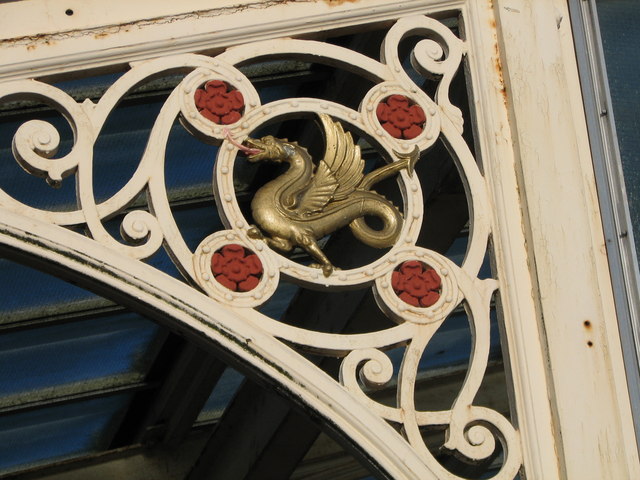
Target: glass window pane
619, 21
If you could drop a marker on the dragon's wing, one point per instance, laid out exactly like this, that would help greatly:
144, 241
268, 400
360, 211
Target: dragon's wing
338, 174
320, 190
342, 157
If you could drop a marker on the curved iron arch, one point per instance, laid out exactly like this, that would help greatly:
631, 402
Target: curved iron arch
141, 287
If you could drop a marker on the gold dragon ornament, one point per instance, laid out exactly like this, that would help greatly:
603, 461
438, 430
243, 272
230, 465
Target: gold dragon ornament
306, 203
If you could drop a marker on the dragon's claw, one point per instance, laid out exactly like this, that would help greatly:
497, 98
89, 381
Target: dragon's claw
327, 268
255, 233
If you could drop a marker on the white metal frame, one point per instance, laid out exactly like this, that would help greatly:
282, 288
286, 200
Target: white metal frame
569, 390
618, 228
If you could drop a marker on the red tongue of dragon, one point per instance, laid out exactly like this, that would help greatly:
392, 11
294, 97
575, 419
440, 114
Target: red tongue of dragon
239, 146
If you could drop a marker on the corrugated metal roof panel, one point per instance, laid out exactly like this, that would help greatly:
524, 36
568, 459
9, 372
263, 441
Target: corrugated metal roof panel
55, 433
96, 351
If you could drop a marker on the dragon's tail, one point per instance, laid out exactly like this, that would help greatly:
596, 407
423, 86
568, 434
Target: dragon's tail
375, 205
406, 161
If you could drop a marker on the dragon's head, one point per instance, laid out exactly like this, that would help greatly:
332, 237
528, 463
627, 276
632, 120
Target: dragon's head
268, 148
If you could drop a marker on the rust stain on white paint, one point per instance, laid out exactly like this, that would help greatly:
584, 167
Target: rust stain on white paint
104, 31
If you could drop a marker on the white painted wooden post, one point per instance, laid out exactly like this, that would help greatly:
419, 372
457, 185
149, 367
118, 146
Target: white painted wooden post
588, 392
525, 350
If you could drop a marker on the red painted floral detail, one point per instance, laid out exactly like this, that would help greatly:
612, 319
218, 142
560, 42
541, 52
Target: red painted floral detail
237, 268
416, 283
401, 117
219, 102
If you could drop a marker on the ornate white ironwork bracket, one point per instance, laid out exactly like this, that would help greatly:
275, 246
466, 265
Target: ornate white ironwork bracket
415, 287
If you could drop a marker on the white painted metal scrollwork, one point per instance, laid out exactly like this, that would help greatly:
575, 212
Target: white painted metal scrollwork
471, 431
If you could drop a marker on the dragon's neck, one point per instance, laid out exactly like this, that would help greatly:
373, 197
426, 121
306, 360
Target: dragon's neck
286, 187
